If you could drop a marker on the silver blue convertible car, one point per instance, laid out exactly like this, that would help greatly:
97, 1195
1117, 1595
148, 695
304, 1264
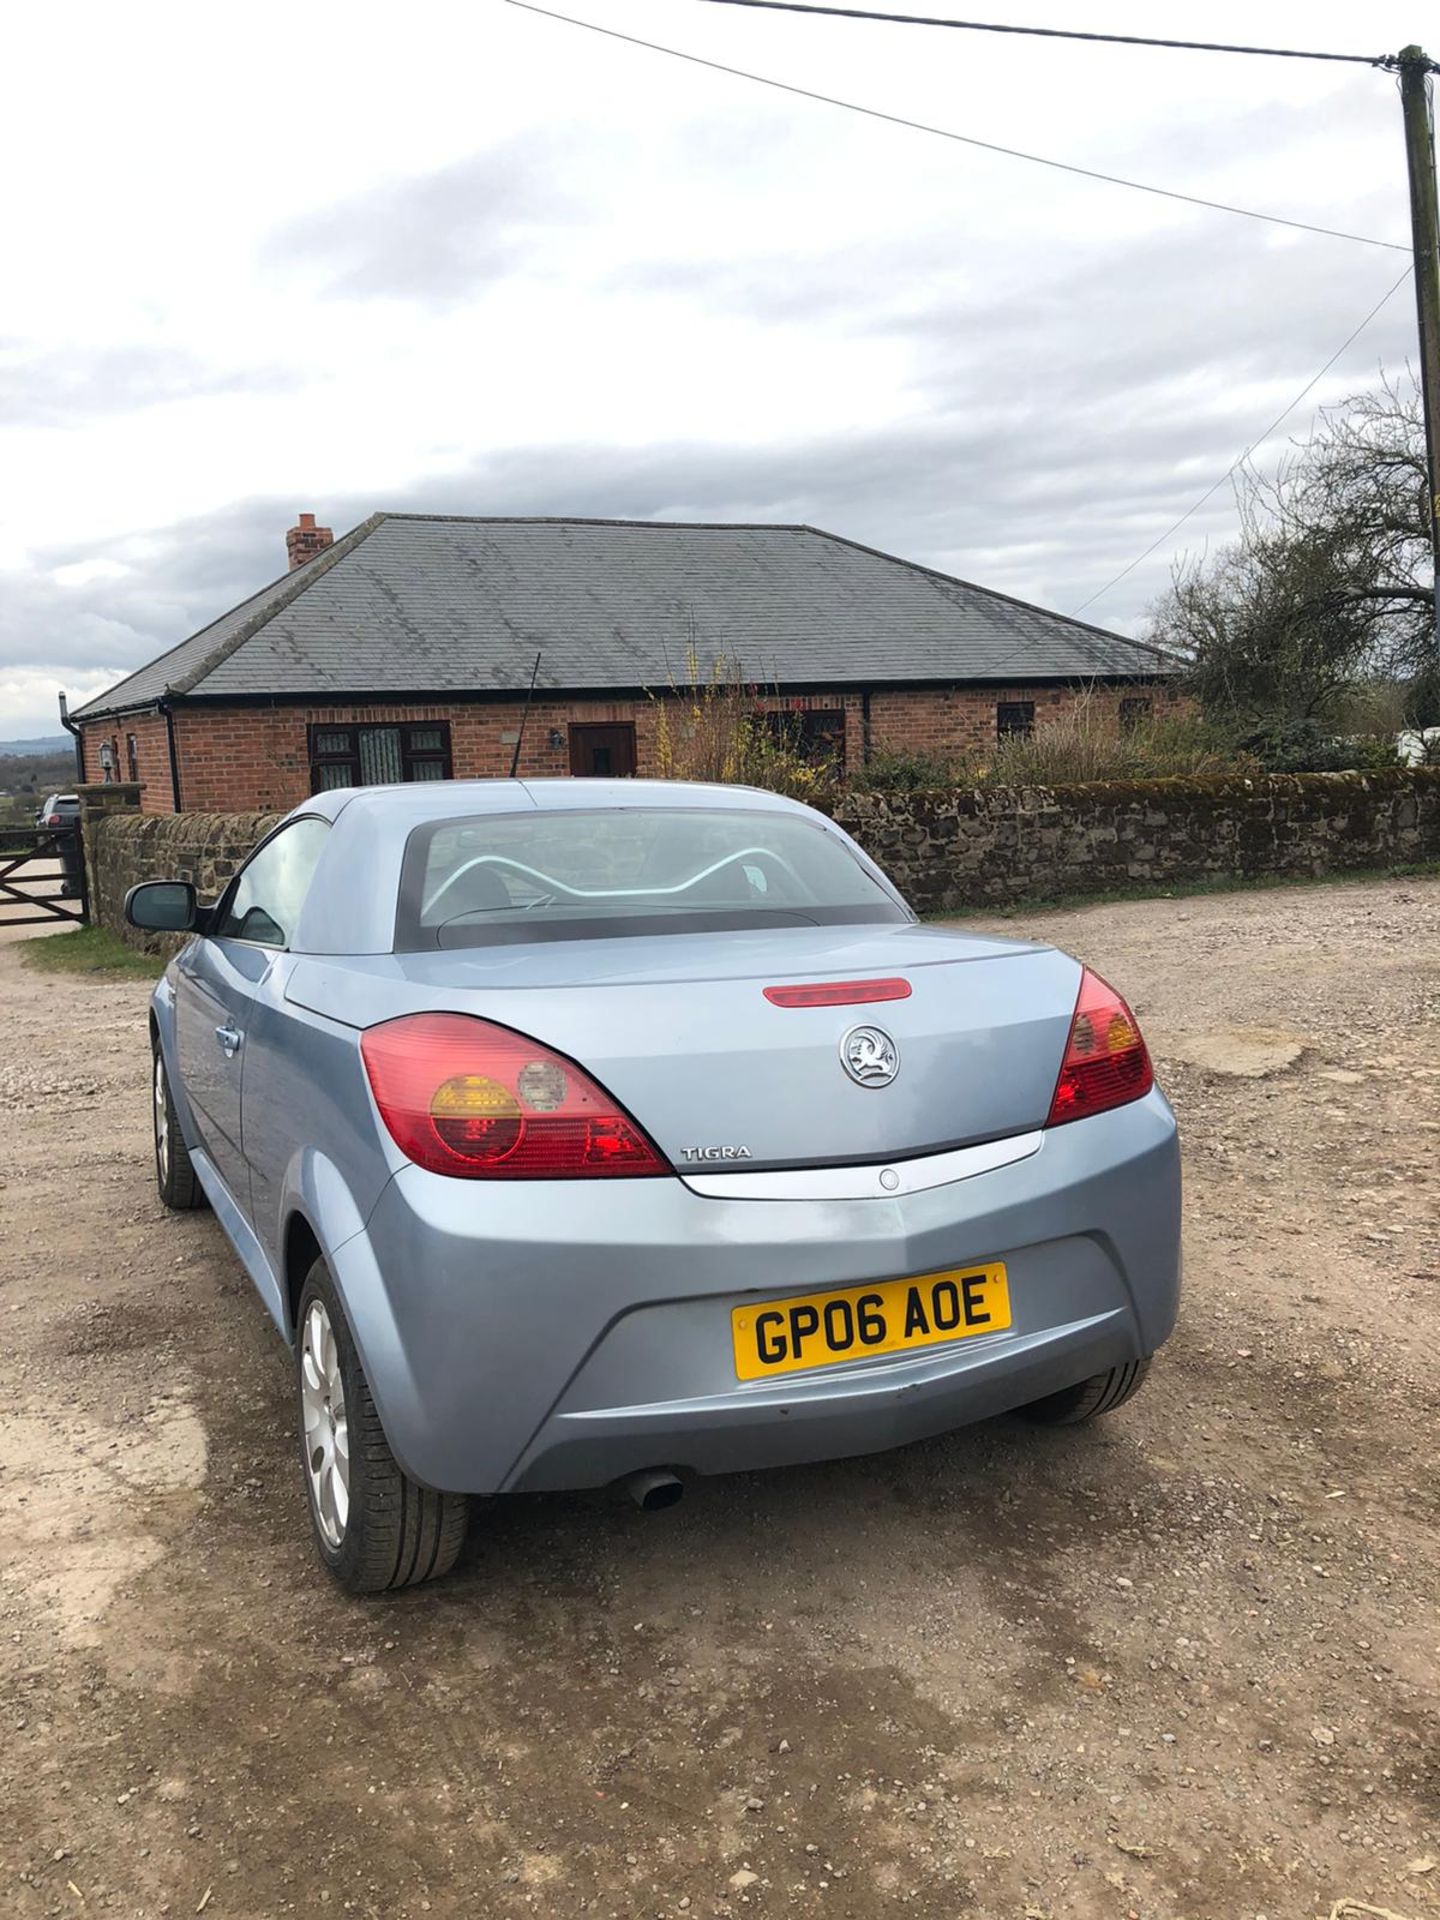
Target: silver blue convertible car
590, 1132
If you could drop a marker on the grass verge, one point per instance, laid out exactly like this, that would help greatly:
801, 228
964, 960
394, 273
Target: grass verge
90, 950
1190, 890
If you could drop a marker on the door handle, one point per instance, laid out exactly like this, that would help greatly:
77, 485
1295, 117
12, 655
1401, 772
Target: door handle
229, 1038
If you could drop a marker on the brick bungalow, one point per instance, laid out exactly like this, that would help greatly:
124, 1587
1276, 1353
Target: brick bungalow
404, 651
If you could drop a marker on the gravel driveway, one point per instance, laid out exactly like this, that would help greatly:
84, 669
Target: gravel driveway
1180, 1664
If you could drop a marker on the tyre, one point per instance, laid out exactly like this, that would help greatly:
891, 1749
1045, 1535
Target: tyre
1088, 1399
175, 1177
375, 1527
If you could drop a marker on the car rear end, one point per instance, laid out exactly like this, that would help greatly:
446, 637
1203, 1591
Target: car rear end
554, 1337
708, 1197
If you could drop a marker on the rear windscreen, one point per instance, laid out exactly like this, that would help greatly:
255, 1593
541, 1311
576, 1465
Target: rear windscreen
562, 875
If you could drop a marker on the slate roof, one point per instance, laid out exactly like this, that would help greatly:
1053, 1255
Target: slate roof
425, 603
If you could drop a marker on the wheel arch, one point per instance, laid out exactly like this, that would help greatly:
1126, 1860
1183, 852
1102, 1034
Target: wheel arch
163, 1040
364, 1300
301, 1249
319, 1217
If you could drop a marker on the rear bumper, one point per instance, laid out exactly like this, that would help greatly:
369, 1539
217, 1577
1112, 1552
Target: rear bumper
822, 1418
551, 1335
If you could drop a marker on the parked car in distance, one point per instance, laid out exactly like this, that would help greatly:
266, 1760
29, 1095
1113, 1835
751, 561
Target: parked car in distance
60, 810
582, 1132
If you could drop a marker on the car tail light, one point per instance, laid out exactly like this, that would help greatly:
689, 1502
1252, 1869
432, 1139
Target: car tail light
838, 993
1106, 1063
464, 1097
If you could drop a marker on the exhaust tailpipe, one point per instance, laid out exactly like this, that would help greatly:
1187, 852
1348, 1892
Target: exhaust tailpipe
655, 1489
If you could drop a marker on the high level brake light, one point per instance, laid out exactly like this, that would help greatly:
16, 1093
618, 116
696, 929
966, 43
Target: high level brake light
1106, 1062
838, 993
464, 1097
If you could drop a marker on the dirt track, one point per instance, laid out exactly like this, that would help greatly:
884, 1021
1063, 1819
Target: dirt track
1185, 1663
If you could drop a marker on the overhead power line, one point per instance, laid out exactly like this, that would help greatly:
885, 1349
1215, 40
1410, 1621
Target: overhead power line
1258, 441
963, 139
1053, 33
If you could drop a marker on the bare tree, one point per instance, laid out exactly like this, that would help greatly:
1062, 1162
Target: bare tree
1328, 588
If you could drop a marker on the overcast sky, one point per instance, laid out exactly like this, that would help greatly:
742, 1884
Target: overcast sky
465, 258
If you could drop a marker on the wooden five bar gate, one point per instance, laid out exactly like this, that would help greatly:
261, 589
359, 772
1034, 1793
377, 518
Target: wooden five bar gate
42, 877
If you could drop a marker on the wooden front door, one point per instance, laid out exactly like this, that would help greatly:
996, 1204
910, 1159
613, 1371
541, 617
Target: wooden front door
602, 752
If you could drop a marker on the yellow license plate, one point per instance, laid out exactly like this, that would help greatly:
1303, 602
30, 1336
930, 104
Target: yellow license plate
822, 1329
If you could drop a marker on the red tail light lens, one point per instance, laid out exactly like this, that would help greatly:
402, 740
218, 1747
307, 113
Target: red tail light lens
838, 993
1106, 1063
463, 1097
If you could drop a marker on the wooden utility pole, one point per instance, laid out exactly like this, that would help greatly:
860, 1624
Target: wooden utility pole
1415, 71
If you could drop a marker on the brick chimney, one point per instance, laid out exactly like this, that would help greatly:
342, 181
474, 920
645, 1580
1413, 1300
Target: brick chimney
302, 543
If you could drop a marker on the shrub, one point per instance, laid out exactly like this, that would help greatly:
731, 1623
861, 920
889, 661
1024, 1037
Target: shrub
760, 760
895, 770
1086, 742
1302, 746
716, 727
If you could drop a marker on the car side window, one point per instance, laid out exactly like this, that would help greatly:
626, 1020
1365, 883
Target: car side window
264, 902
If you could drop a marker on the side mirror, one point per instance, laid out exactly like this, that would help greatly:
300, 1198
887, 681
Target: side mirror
162, 906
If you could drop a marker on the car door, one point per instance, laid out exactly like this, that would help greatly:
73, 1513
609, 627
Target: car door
220, 976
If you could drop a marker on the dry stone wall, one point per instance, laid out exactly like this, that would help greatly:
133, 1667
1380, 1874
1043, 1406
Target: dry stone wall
204, 848
955, 851
952, 852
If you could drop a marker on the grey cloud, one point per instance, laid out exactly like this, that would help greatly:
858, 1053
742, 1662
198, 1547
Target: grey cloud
1191, 298
1162, 356
1191, 144
1149, 375
1209, 300
853, 288
440, 236
41, 386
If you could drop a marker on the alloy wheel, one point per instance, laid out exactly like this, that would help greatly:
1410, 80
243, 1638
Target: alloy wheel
327, 1434
162, 1120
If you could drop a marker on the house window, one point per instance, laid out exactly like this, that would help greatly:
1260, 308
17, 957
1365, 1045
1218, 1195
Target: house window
1135, 712
132, 756
1014, 719
816, 733
378, 756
